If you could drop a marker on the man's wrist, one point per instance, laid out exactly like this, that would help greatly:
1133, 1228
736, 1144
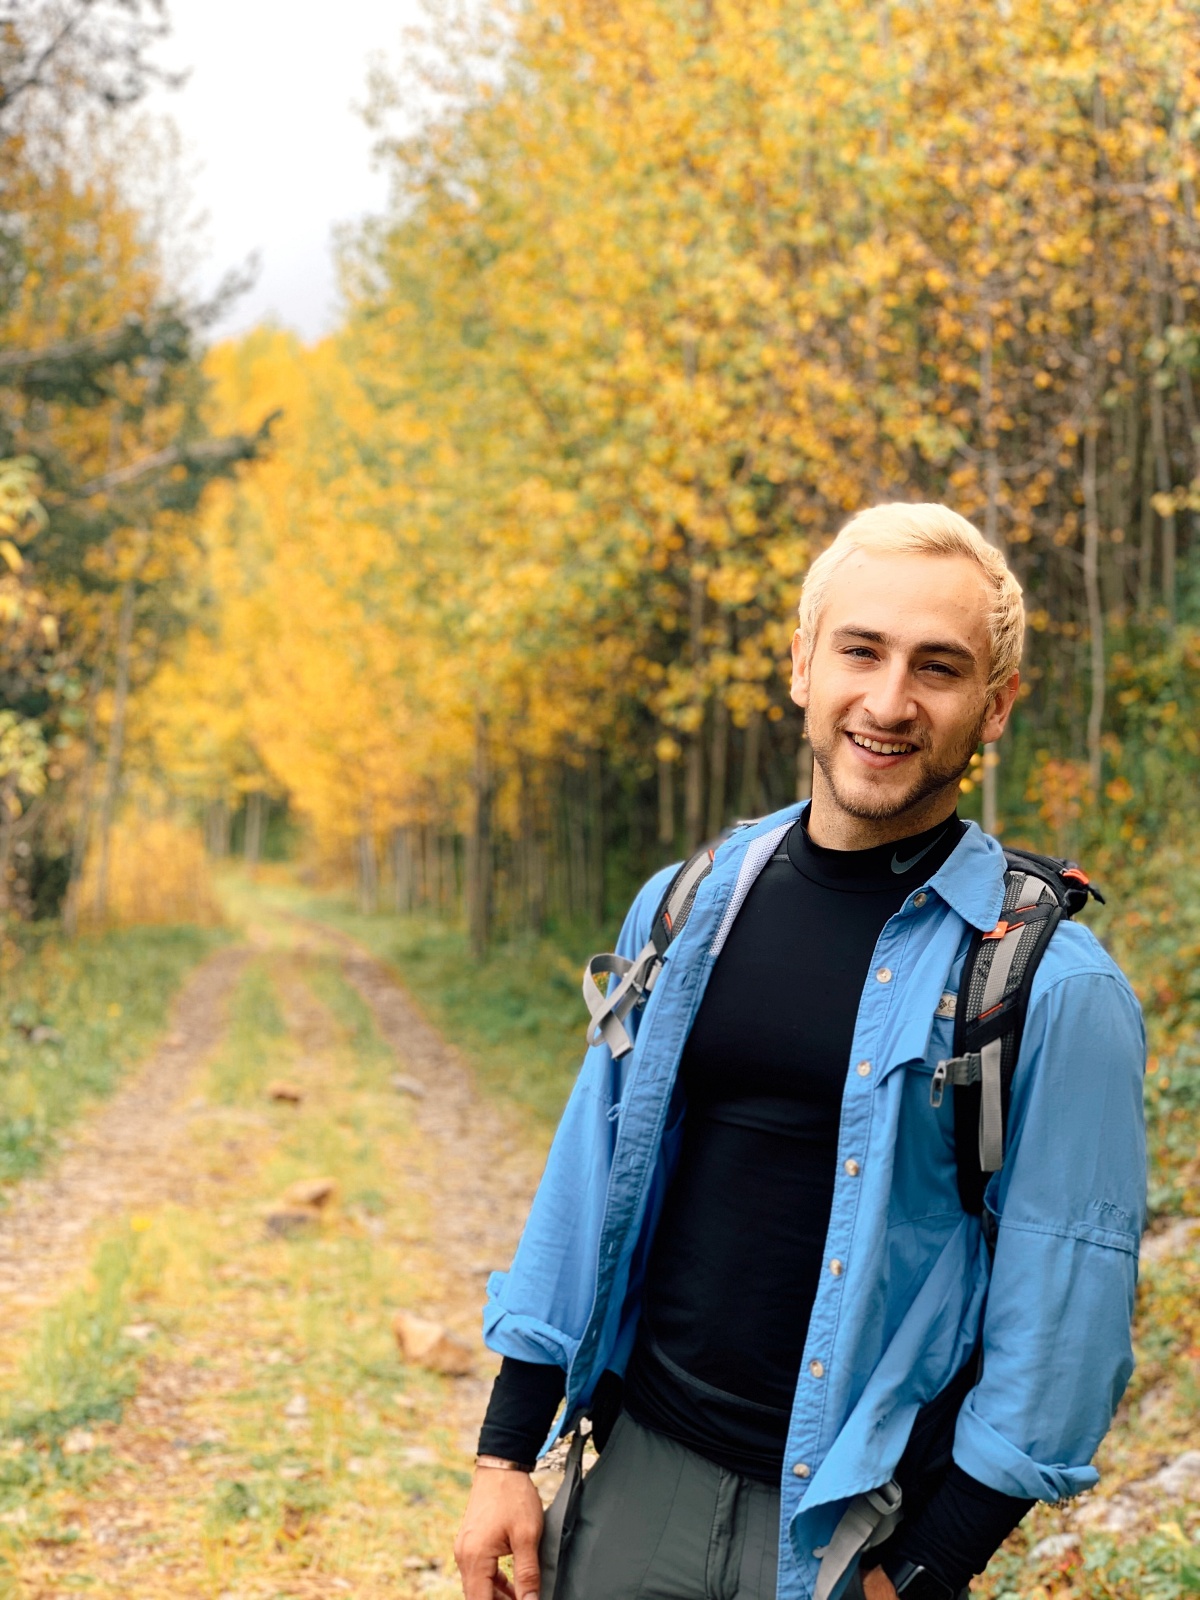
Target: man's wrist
503, 1464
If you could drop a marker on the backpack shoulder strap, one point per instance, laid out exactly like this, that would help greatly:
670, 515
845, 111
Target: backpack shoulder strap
630, 982
993, 998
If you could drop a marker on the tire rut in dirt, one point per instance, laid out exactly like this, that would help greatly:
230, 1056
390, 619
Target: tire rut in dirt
119, 1158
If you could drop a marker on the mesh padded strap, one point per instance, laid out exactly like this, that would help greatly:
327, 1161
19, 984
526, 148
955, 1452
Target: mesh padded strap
990, 1017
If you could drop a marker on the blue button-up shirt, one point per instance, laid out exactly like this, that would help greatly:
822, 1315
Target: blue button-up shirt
917, 1283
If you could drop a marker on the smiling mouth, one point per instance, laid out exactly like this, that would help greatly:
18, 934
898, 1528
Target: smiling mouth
883, 747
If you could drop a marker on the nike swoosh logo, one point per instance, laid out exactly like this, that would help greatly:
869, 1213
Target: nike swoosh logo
899, 866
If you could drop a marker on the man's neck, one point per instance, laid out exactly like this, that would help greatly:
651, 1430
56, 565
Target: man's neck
836, 829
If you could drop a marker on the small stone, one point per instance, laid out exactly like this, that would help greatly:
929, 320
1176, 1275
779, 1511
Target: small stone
78, 1442
1054, 1548
1175, 1240
175, 1041
1179, 1479
296, 1407
313, 1192
141, 1331
284, 1221
428, 1344
418, 1455
43, 1034
405, 1085
418, 1563
287, 1093
1117, 1515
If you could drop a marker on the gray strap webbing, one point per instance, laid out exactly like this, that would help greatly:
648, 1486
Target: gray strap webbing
608, 1011
868, 1520
991, 1109
636, 977
559, 1521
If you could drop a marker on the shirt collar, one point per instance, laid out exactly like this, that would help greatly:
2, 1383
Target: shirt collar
971, 879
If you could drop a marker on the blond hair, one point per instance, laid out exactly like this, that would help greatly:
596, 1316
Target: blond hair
924, 529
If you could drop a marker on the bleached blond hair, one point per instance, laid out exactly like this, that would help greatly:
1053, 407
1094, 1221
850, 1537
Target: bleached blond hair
932, 530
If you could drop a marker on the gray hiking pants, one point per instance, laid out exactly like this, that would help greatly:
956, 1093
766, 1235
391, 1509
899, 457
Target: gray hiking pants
655, 1521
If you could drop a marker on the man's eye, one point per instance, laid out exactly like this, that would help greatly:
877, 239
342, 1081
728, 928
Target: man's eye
941, 668
861, 652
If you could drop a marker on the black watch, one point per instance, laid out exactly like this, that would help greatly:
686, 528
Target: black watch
918, 1583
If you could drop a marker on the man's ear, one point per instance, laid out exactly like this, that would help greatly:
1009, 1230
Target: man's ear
799, 670
1003, 701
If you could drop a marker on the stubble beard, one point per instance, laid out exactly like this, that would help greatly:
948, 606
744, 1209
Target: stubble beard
928, 780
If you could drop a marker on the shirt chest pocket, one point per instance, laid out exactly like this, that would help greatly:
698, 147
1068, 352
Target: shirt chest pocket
925, 1180
940, 1046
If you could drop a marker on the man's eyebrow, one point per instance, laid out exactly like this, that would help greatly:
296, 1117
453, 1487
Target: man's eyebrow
928, 647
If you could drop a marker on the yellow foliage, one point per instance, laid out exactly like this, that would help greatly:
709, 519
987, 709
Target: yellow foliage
652, 314
157, 873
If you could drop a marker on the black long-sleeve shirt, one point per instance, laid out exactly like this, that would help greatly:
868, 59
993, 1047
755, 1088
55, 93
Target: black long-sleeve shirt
738, 1254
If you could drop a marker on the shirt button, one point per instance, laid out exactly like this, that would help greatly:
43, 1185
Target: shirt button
852, 1168
835, 1266
884, 975
817, 1368
802, 1469
863, 1069
920, 899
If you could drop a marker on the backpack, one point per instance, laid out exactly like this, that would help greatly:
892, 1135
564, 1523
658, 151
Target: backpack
989, 1014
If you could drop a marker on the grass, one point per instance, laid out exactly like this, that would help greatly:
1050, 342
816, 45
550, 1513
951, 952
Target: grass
518, 1016
73, 1017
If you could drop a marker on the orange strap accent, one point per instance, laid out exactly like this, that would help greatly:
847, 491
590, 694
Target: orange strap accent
1000, 930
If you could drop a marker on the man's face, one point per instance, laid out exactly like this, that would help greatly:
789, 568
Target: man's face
895, 694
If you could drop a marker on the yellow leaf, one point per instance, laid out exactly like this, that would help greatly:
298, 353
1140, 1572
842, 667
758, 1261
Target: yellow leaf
12, 555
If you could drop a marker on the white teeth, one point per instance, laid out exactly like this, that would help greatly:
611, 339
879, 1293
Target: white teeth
881, 749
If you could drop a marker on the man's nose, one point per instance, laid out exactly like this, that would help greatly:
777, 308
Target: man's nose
889, 701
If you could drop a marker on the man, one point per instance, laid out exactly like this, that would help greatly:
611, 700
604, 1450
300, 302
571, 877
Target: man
750, 1225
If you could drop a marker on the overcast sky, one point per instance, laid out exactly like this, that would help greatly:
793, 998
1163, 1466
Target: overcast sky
278, 152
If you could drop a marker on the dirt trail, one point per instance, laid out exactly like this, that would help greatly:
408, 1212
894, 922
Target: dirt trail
121, 1159
484, 1168
476, 1167
460, 1180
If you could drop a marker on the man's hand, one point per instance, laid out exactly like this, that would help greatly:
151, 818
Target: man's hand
503, 1518
878, 1586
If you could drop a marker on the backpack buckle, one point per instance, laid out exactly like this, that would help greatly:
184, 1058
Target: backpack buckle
937, 1087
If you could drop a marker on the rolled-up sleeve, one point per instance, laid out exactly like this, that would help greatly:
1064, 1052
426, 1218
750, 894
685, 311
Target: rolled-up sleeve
1057, 1349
